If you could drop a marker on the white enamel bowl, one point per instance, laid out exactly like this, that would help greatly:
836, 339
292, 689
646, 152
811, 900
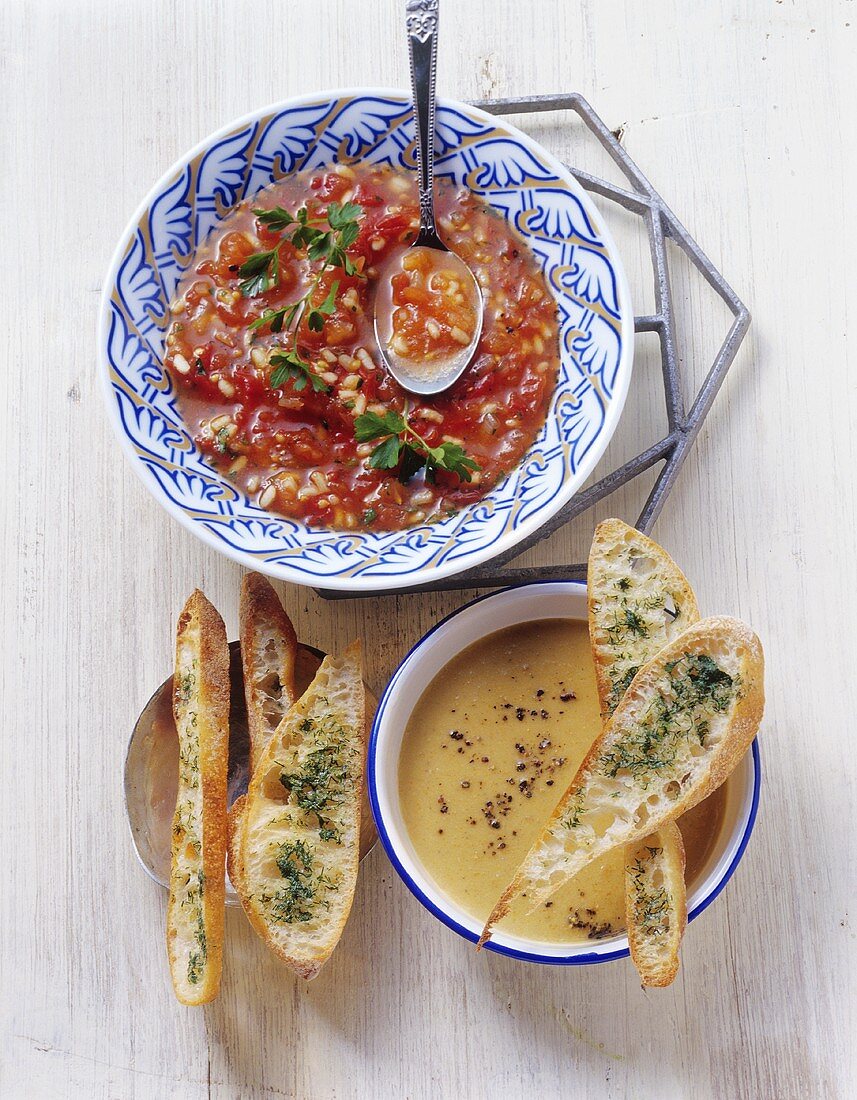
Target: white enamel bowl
547, 600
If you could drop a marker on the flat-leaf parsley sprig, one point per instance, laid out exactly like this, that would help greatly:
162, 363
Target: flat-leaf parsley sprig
402, 447
261, 271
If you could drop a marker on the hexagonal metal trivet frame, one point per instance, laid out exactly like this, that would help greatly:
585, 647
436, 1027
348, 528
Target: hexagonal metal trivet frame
682, 425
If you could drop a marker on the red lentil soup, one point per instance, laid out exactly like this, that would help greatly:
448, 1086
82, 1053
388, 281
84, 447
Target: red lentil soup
289, 437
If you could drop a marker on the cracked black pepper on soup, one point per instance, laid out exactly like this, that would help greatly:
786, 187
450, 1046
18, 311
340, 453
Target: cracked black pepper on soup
489, 750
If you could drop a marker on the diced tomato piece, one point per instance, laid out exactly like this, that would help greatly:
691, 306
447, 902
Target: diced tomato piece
233, 250
330, 186
367, 196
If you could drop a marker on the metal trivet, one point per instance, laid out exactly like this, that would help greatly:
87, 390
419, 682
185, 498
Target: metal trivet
682, 427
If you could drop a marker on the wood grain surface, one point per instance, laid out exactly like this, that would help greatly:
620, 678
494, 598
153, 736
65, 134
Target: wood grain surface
743, 115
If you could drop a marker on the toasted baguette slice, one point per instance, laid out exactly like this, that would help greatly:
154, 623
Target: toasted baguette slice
639, 600
368, 834
201, 708
298, 848
655, 947
684, 723
656, 903
269, 648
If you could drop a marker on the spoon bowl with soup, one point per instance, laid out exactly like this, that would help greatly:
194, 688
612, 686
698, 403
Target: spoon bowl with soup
428, 307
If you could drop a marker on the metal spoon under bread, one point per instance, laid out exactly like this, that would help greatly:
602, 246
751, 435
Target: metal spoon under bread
152, 766
431, 376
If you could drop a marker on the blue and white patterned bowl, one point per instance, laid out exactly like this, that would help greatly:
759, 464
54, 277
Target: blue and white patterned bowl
464, 627
530, 188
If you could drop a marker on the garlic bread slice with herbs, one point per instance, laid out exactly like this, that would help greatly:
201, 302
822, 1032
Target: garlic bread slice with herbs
195, 910
299, 842
638, 601
656, 903
682, 726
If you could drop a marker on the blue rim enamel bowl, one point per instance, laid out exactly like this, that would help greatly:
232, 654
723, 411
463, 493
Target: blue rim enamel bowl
520, 180
542, 600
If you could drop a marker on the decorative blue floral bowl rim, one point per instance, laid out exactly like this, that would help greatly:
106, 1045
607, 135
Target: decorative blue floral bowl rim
578, 958
518, 178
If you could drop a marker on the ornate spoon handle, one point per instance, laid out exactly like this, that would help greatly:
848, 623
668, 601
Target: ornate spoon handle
422, 19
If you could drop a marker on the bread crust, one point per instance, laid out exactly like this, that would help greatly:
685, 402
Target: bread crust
234, 819
201, 636
717, 634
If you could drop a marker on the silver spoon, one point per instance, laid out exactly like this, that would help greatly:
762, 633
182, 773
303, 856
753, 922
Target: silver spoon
152, 766
431, 376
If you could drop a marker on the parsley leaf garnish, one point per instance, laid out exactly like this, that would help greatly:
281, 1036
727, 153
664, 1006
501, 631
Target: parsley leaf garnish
343, 216
277, 318
371, 426
317, 314
276, 220
387, 454
261, 272
288, 364
403, 449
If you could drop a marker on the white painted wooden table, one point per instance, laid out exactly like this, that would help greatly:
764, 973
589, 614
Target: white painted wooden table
743, 114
